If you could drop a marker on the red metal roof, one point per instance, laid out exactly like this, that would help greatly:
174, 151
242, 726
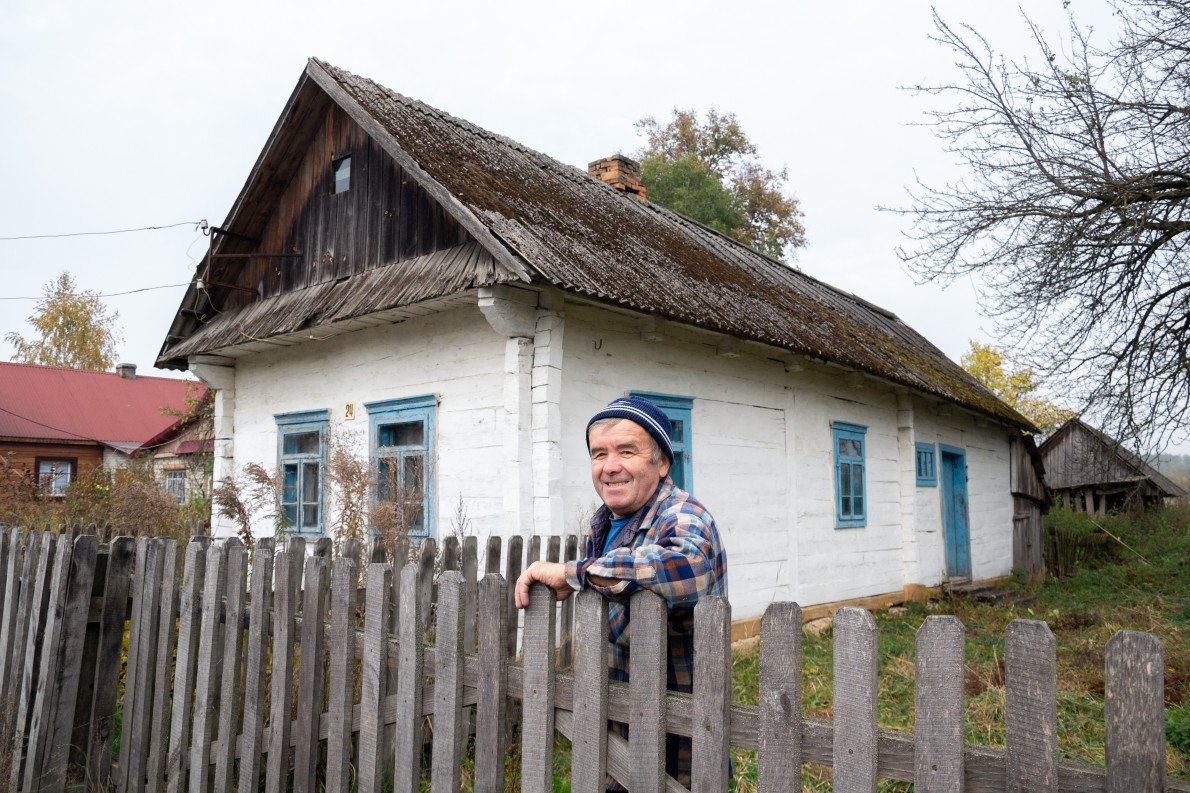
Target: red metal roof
47, 402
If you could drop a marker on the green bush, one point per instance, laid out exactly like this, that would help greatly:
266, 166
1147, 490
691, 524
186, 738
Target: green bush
1177, 727
1076, 539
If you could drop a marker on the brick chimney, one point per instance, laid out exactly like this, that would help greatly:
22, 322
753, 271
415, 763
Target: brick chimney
621, 173
126, 370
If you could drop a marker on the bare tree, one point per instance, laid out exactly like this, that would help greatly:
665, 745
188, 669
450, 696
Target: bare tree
1074, 210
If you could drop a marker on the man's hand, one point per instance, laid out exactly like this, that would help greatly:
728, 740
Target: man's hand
552, 574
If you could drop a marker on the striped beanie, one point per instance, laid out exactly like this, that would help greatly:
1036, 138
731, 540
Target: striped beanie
644, 413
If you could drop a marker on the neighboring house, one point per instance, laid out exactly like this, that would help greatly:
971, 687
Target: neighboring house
1090, 471
57, 422
457, 305
182, 453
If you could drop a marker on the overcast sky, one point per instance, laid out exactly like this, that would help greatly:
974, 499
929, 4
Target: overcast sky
120, 115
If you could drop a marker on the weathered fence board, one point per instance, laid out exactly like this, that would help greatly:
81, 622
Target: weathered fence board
158, 716
1030, 707
589, 736
373, 678
646, 726
31, 673
311, 669
855, 689
409, 686
938, 704
537, 727
232, 662
342, 675
210, 654
449, 718
779, 758
492, 697
142, 665
107, 657
287, 584
189, 628
712, 695
1135, 717
255, 665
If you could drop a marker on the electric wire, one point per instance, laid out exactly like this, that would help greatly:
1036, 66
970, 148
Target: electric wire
101, 233
108, 294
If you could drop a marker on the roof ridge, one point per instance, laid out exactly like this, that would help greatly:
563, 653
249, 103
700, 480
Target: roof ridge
53, 367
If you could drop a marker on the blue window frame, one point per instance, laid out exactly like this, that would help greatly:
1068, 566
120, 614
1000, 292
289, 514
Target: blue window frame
925, 462
301, 454
402, 433
677, 409
851, 497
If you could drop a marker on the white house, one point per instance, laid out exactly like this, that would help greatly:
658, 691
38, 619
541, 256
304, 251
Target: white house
462, 304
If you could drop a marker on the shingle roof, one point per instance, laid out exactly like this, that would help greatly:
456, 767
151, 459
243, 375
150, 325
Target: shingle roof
576, 233
48, 402
1089, 471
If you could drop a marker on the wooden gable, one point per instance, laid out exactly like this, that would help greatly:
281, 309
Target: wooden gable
384, 217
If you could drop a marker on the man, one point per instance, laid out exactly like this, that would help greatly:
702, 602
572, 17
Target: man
648, 534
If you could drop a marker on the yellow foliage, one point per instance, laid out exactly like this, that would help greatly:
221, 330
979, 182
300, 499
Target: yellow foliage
1018, 388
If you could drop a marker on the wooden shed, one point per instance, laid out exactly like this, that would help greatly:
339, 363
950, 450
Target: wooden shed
1089, 470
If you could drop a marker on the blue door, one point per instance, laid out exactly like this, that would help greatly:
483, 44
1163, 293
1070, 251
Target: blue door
954, 512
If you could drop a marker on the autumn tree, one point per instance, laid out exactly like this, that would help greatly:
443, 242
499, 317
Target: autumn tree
1073, 209
1017, 387
710, 171
73, 329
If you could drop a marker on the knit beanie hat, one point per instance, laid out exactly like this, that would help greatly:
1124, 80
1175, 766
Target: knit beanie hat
642, 412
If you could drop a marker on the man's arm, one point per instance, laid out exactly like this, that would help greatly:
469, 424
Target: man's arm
552, 574
680, 565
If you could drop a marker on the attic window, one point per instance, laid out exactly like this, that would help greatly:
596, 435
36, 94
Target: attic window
341, 168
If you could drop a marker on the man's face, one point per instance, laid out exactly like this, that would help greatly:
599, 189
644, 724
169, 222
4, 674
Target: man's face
622, 468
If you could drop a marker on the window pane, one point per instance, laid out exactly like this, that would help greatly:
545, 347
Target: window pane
857, 481
417, 519
309, 516
386, 483
310, 483
342, 171
410, 433
678, 472
289, 514
858, 502
413, 470
678, 428
845, 506
300, 443
849, 447
289, 484
844, 479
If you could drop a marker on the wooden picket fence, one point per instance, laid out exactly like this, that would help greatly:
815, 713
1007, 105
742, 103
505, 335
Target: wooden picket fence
219, 694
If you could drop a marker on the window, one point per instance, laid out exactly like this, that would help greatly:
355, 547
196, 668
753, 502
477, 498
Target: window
850, 487
677, 410
341, 168
402, 432
54, 476
301, 451
175, 484
926, 464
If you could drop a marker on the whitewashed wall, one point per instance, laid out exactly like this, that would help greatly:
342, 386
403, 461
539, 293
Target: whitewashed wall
454, 355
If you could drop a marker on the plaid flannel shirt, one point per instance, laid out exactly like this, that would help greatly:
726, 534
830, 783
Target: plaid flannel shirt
671, 547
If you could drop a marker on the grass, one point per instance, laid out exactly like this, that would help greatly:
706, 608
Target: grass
1113, 590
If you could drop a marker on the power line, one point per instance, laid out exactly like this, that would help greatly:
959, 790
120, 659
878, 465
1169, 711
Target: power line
109, 294
103, 233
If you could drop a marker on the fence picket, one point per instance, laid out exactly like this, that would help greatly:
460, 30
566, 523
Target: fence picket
533, 551
235, 561
1135, 713
310, 675
342, 675
491, 556
646, 690
255, 664
513, 569
373, 678
107, 657
14, 673
287, 589
779, 734
855, 690
450, 553
566, 650
63, 687
425, 582
449, 717
537, 721
938, 746
84, 696
491, 704
158, 727
13, 555
400, 559
38, 602
1030, 708
42, 715
177, 763
589, 735
470, 570
132, 662
712, 695
409, 685
210, 654
138, 699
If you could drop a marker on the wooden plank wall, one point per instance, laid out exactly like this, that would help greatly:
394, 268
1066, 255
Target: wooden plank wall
384, 218
204, 615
